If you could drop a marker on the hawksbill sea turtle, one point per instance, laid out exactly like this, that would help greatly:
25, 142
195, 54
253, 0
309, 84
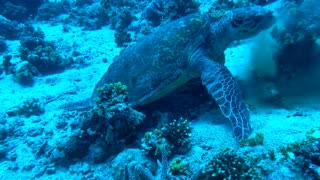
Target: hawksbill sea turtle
188, 48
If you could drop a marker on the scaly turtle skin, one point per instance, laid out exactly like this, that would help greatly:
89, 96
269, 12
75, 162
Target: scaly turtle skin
185, 49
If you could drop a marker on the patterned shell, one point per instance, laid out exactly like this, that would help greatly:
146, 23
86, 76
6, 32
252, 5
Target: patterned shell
159, 63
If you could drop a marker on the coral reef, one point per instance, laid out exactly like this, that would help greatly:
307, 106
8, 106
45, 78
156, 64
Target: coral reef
133, 164
40, 53
107, 128
153, 143
30, 107
304, 155
229, 165
253, 141
293, 53
8, 29
14, 12
241, 3
20, 10
179, 167
24, 72
161, 12
3, 152
50, 10
81, 3
308, 159
122, 37
125, 18
299, 23
120, 16
85, 13
129, 163
3, 131
173, 137
91, 17
3, 46
299, 49
37, 57
7, 65
178, 133
109, 96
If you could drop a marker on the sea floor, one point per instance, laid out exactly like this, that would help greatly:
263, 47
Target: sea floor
279, 126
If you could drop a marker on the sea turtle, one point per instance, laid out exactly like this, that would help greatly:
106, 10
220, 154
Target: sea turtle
188, 48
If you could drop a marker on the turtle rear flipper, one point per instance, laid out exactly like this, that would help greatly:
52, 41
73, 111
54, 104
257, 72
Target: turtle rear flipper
224, 88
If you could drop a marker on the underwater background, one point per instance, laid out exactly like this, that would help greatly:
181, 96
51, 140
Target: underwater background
54, 52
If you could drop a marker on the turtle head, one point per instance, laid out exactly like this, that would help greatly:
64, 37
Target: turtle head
248, 21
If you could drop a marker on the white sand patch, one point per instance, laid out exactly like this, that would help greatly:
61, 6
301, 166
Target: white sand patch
95, 45
72, 84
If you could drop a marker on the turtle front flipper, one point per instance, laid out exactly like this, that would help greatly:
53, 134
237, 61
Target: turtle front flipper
224, 88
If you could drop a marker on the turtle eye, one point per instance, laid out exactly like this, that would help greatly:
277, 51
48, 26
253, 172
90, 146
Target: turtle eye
236, 23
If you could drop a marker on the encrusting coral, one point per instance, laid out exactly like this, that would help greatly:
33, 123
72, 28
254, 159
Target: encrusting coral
32, 106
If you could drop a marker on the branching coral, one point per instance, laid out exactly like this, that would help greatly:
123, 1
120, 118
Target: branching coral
178, 133
174, 137
229, 165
